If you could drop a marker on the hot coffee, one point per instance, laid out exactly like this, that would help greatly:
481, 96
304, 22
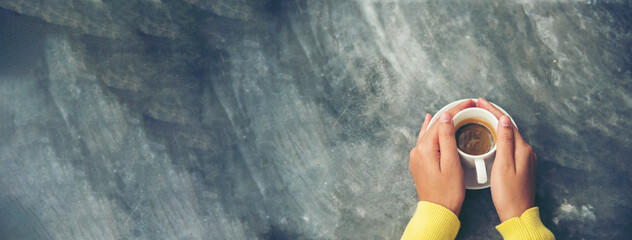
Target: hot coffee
474, 137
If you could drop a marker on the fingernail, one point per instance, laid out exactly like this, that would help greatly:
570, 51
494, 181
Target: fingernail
505, 121
445, 117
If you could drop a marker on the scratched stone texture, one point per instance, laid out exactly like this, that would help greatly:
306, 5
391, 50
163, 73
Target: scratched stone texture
249, 119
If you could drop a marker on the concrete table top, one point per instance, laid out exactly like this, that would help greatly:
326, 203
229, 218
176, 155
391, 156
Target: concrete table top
248, 119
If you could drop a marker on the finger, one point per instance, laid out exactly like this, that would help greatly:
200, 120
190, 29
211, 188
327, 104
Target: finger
430, 139
523, 157
423, 127
535, 158
453, 111
447, 143
505, 145
484, 104
465, 104
534, 161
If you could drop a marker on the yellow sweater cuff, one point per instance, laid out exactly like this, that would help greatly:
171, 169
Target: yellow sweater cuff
432, 221
527, 226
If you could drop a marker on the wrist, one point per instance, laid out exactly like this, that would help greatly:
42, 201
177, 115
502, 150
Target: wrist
454, 207
506, 214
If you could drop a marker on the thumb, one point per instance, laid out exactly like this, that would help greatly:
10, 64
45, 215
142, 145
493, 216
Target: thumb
505, 144
447, 143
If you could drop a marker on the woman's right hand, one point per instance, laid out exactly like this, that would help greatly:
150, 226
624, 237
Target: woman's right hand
514, 171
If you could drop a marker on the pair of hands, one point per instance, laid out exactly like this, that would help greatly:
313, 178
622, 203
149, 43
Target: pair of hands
438, 175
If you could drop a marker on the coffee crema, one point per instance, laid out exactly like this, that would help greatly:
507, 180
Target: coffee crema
474, 136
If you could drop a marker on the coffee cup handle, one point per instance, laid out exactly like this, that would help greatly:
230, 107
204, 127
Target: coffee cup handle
481, 171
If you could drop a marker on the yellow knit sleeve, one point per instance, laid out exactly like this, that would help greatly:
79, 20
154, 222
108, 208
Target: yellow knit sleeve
527, 226
432, 221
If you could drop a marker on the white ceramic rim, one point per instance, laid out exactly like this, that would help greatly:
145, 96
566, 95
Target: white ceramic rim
491, 151
452, 104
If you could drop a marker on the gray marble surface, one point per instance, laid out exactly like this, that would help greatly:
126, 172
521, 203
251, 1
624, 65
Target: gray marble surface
248, 119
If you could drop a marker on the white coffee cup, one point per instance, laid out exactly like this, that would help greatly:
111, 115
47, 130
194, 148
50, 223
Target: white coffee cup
477, 161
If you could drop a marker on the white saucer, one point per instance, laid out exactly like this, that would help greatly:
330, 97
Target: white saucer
470, 173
